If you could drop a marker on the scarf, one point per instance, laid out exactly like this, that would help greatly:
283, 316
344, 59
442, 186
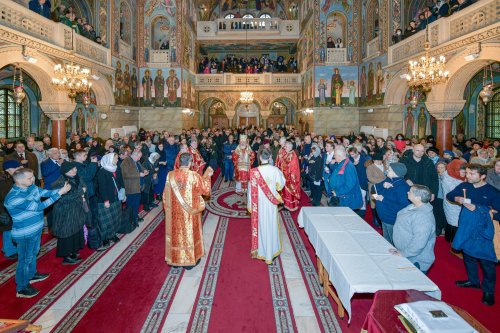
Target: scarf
107, 162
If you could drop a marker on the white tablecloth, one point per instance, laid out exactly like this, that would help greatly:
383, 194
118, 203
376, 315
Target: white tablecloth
356, 257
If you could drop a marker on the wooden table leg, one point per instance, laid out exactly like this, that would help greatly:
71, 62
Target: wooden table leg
320, 270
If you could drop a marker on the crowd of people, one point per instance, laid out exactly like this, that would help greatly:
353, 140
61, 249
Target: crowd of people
249, 65
416, 192
66, 16
429, 14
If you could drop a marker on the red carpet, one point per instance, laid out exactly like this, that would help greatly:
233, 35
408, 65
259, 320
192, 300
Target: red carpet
132, 293
243, 291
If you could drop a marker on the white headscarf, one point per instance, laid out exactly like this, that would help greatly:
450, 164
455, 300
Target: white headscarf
107, 162
154, 157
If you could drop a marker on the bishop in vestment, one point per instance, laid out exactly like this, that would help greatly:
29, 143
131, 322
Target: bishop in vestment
289, 165
183, 204
243, 157
263, 200
198, 161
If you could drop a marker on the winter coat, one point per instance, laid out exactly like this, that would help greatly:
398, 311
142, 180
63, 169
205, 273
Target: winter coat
414, 234
451, 209
6, 184
422, 172
345, 183
72, 211
395, 199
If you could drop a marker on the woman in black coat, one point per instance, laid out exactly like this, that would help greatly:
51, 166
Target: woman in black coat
70, 213
109, 206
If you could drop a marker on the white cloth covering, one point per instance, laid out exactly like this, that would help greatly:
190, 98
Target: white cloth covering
269, 235
356, 257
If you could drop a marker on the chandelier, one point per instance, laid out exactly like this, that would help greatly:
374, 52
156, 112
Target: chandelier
427, 71
73, 79
19, 93
246, 97
487, 90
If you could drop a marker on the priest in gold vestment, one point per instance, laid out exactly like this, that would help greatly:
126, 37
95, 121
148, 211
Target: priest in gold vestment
183, 203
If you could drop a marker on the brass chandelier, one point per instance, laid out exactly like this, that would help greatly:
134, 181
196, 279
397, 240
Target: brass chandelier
427, 71
246, 97
73, 79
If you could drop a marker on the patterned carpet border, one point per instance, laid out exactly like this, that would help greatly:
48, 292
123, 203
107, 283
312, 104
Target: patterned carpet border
282, 313
159, 309
73, 317
53, 295
322, 304
10, 271
226, 202
201, 317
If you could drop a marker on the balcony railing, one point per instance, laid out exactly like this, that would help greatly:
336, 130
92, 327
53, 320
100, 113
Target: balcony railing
373, 48
24, 21
242, 79
160, 56
336, 56
467, 22
257, 28
125, 49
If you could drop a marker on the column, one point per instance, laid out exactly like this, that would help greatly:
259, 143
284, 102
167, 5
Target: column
444, 112
265, 116
58, 113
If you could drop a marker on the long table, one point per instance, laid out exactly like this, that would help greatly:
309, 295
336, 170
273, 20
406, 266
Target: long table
355, 258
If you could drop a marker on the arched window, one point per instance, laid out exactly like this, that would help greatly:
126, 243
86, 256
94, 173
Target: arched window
125, 23
246, 16
265, 16
229, 16
492, 128
10, 115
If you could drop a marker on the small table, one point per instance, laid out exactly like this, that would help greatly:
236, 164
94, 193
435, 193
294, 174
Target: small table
383, 318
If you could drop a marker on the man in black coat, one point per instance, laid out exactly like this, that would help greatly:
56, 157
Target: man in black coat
315, 174
421, 170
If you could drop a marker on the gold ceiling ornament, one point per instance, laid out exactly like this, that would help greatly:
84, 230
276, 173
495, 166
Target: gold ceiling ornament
72, 79
19, 93
487, 92
427, 71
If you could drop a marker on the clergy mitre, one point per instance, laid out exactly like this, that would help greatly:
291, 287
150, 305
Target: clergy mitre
243, 137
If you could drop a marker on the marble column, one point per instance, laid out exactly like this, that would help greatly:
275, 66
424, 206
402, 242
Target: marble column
444, 111
58, 113
264, 115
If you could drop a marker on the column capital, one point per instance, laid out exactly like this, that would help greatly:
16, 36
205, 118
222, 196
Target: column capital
264, 114
57, 110
230, 114
445, 109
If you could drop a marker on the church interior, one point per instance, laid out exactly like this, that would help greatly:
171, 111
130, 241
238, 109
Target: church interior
418, 69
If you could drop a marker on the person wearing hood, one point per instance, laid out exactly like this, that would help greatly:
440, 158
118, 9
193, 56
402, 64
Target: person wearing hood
315, 173
450, 176
110, 194
433, 154
391, 197
448, 156
70, 213
414, 230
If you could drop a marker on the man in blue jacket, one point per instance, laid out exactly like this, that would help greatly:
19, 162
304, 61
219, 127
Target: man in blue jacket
41, 7
391, 196
227, 149
343, 180
171, 151
475, 235
51, 168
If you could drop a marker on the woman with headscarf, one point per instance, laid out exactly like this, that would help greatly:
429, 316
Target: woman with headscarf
70, 213
150, 164
110, 194
450, 176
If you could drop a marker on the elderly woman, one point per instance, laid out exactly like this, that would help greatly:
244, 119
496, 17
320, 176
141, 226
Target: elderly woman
150, 164
482, 158
109, 200
70, 213
493, 175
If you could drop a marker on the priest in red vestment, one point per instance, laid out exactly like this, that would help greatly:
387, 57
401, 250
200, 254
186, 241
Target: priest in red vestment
281, 153
198, 163
183, 204
289, 165
243, 157
183, 148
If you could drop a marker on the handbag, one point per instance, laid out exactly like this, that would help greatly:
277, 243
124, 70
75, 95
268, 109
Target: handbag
334, 201
5, 220
121, 192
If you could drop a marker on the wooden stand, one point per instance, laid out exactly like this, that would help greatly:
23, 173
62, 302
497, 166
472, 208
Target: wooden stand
14, 326
324, 280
